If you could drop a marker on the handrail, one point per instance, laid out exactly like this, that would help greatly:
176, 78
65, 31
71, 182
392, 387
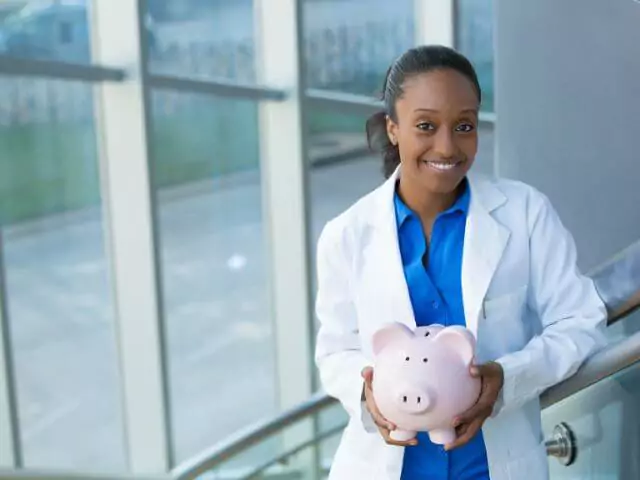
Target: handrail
250, 436
603, 364
618, 284
289, 453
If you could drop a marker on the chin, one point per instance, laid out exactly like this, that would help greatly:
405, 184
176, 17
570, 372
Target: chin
442, 185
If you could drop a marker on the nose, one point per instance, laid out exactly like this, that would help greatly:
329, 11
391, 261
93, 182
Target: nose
411, 400
444, 144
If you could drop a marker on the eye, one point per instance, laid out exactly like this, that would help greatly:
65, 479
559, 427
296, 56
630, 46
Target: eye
425, 360
406, 359
426, 126
426, 334
465, 128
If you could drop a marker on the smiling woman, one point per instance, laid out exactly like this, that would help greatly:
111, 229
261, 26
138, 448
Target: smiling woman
436, 245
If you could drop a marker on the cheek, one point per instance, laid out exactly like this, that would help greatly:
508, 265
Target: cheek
468, 145
414, 146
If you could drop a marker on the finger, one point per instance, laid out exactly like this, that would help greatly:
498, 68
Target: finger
461, 429
407, 443
377, 416
469, 433
477, 371
367, 375
382, 422
470, 415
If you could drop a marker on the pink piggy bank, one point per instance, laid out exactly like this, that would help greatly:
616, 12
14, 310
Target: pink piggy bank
421, 379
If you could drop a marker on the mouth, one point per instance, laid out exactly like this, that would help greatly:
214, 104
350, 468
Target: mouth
440, 166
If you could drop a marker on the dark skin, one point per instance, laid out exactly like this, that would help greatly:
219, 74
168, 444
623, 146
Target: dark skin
436, 132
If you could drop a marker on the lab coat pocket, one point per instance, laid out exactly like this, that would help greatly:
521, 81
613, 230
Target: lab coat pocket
505, 307
502, 326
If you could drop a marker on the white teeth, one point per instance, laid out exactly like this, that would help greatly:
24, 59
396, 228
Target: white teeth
442, 166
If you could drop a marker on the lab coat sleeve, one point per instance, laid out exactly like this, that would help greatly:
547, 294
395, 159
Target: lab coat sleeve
572, 314
338, 350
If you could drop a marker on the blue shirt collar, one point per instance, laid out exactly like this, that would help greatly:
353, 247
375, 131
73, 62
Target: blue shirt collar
461, 205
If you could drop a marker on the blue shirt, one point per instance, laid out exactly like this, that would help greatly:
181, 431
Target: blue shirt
435, 288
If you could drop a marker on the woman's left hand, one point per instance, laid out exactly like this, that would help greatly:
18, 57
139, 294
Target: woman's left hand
468, 423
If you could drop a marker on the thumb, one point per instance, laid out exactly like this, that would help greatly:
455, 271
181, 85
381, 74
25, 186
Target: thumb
477, 371
367, 374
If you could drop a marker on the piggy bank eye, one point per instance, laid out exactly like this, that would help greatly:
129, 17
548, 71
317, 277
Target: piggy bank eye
425, 360
406, 359
426, 334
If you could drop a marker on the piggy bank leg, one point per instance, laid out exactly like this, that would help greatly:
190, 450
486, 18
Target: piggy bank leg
402, 435
442, 436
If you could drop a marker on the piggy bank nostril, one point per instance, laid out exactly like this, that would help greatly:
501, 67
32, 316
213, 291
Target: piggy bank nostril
404, 399
418, 399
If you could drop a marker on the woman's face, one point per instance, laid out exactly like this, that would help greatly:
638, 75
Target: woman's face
436, 129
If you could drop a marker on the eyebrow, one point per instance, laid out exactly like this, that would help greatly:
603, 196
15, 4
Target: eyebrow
431, 110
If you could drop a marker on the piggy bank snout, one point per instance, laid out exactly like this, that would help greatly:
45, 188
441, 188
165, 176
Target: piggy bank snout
413, 400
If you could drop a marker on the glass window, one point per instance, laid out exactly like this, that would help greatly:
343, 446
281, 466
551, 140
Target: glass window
215, 279
58, 292
46, 30
342, 167
474, 38
349, 44
202, 38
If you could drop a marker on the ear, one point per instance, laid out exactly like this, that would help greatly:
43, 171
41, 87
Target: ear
460, 340
392, 131
391, 333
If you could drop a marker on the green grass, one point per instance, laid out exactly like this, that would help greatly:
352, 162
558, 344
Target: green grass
45, 169
53, 168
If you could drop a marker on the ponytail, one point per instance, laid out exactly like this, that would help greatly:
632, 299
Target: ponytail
379, 142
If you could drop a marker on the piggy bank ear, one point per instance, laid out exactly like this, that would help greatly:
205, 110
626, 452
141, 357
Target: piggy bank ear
460, 340
429, 331
392, 333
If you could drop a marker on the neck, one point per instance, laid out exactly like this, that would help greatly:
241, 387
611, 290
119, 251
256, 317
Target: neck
426, 204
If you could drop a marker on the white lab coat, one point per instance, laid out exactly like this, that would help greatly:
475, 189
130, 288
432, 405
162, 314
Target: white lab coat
524, 299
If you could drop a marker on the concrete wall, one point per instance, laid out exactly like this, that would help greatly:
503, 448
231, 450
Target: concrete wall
568, 106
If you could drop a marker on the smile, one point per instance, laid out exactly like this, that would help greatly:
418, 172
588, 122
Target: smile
442, 166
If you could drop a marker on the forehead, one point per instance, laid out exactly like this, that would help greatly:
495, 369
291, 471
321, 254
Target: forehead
442, 90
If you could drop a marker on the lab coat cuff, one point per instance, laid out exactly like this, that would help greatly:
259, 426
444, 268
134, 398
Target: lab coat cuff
509, 392
365, 417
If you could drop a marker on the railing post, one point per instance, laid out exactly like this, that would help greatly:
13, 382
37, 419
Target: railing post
123, 119
284, 184
10, 448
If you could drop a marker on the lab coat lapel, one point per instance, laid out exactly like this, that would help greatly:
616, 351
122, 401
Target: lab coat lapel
390, 293
484, 244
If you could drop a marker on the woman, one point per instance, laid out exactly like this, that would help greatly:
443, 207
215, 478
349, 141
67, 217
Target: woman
435, 244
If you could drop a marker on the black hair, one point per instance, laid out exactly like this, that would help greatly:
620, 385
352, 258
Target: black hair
413, 62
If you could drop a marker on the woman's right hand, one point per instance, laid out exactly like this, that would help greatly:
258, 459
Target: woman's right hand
384, 426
